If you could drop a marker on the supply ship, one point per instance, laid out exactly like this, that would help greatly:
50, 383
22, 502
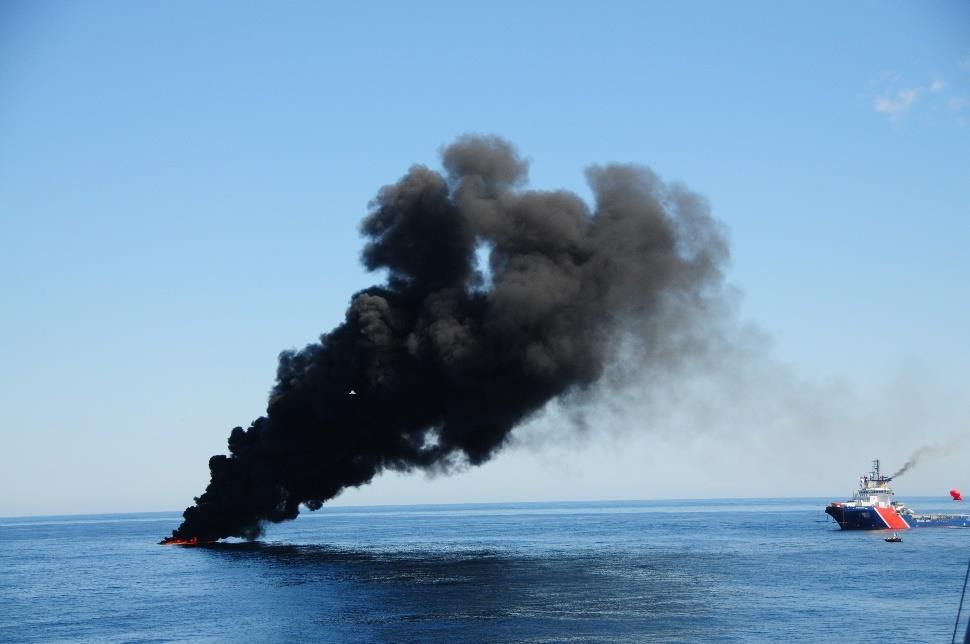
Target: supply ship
873, 508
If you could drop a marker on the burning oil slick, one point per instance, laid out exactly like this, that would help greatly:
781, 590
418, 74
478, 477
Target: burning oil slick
191, 541
444, 363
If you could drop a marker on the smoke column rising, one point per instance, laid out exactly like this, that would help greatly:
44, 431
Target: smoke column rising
444, 364
919, 454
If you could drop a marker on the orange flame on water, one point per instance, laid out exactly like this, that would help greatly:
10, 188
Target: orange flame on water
173, 541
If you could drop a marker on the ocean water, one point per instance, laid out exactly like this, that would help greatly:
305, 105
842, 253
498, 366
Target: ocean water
669, 571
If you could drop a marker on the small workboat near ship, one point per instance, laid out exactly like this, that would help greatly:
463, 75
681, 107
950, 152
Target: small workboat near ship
873, 508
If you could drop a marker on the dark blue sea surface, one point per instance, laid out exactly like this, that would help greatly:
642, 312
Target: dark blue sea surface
672, 571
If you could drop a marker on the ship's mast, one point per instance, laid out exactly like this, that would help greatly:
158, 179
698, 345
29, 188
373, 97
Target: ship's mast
875, 469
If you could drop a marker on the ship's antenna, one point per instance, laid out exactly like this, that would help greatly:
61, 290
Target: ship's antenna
960, 609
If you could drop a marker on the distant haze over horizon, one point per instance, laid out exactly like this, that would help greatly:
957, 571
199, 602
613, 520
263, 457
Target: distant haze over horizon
921, 502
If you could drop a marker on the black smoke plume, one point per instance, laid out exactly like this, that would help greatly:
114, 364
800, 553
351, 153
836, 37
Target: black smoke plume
445, 358
918, 455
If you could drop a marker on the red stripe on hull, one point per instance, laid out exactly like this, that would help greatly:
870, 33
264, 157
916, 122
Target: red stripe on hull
892, 518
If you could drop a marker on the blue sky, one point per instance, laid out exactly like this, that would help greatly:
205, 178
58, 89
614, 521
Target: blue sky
180, 187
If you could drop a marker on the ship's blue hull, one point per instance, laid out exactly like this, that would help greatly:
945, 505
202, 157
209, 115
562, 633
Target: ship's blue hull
946, 521
864, 518
872, 518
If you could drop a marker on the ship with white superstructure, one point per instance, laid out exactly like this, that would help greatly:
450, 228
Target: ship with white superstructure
874, 508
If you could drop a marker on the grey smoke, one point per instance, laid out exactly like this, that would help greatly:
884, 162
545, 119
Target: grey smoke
920, 454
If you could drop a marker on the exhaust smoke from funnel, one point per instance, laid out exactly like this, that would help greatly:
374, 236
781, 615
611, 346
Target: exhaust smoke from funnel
444, 363
918, 455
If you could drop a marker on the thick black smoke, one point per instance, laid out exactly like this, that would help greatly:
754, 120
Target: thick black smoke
446, 360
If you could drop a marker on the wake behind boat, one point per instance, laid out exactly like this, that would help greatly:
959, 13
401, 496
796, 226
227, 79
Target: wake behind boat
873, 508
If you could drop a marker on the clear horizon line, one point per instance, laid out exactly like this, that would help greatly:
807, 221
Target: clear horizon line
305, 510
